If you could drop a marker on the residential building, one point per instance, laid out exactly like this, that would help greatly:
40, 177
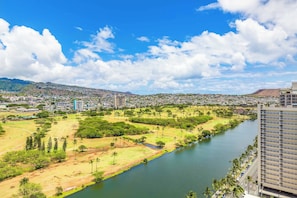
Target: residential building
277, 148
288, 97
119, 101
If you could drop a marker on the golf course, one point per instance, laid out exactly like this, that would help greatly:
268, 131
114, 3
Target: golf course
73, 152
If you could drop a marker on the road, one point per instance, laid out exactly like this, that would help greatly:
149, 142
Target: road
250, 187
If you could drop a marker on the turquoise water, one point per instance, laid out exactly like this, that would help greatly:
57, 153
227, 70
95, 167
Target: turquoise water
176, 173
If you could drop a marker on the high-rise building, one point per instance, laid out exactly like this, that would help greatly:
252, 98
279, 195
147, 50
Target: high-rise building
119, 101
288, 97
78, 105
277, 147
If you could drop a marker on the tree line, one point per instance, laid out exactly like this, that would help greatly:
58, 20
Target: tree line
95, 127
188, 123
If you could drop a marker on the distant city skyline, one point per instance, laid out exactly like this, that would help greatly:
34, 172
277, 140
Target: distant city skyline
148, 47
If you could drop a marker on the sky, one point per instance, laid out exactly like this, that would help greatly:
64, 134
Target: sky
151, 46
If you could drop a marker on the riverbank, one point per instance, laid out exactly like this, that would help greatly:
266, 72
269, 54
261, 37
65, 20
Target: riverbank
190, 168
149, 158
80, 186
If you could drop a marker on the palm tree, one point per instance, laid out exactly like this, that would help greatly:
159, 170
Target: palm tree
230, 180
207, 193
249, 179
216, 185
97, 161
191, 194
237, 191
74, 143
91, 162
114, 154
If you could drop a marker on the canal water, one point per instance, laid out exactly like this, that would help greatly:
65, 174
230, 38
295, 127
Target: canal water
175, 174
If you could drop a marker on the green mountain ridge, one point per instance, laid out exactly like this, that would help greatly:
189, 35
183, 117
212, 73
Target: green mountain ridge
48, 88
13, 85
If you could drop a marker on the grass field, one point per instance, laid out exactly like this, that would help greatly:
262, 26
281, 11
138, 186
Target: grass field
76, 170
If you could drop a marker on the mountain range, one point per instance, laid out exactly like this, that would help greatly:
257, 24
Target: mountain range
48, 88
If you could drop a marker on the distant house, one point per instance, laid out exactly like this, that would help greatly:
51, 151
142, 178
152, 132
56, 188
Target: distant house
3, 106
27, 110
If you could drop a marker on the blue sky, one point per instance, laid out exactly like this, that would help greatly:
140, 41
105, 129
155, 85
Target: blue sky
147, 47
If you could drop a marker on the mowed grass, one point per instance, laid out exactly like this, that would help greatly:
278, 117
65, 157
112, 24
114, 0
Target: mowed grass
16, 133
76, 170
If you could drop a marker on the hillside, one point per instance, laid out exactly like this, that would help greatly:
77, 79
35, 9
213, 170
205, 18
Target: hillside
13, 85
266, 93
49, 89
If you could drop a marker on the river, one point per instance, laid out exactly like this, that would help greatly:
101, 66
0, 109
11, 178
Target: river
176, 173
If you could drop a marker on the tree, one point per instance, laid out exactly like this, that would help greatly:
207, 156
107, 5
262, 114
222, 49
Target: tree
29, 143
64, 145
59, 191
59, 156
112, 144
207, 193
98, 176
24, 181
160, 144
49, 144
82, 148
230, 180
237, 191
97, 161
41, 162
30, 190
249, 180
74, 143
42, 146
55, 145
91, 162
114, 154
43, 114
191, 194
215, 184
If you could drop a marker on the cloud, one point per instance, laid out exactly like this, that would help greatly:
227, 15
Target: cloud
143, 39
99, 42
78, 28
29, 54
208, 7
4, 26
259, 52
244, 6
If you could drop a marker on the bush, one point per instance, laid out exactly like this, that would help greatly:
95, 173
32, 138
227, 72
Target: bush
7, 171
98, 176
58, 156
82, 148
160, 144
